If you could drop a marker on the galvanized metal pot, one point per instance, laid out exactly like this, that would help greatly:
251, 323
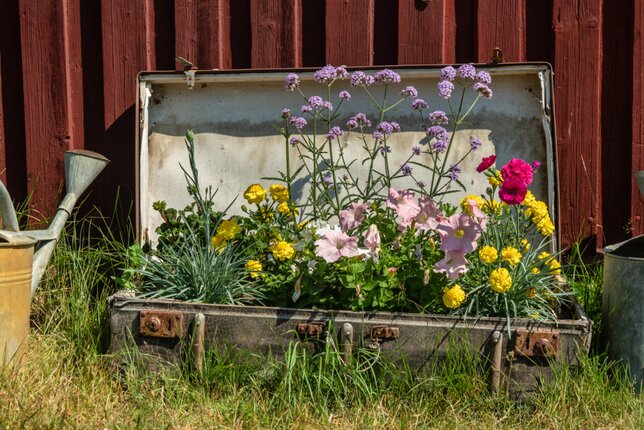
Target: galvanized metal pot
16, 257
622, 311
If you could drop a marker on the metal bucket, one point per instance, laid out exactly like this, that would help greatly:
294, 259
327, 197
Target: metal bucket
16, 257
622, 305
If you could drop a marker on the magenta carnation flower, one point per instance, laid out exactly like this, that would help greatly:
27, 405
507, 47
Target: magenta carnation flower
335, 244
512, 191
517, 169
486, 163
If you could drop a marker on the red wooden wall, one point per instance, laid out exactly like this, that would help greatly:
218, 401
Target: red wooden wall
68, 70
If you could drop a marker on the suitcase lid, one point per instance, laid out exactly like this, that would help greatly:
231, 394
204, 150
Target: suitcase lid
234, 115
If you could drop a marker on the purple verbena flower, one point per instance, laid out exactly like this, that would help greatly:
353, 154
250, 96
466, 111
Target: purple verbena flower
327, 74
416, 150
341, 73
439, 146
438, 117
445, 89
377, 135
467, 71
409, 92
344, 95
316, 102
420, 184
362, 119
360, 78
328, 180
385, 127
395, 125
484, 77
448, 73
419, 104
453, 172
306, 109
352, 122
328, 105
333, 133
386, 77
286, 112
475, 143
483, 89
384, 149
406, 169
298, 122
294, 141
292, 82
438, 132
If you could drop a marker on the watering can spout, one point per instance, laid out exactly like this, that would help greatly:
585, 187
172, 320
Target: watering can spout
81, 168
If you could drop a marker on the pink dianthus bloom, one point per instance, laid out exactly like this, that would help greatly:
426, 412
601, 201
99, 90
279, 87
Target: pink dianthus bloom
517, 169
453, 265
372, 237
486, 163
459, 233
353, 217
404, 204
513, 191
336, 244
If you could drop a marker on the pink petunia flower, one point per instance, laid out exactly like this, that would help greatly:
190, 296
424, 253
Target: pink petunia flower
429, 215
517, 169
513, 191
453, 265
372, 237
459, 233
353, 217
335, 244
404, 204
475, 212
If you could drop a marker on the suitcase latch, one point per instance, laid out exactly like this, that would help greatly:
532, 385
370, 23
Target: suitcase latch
164, 324
537, 343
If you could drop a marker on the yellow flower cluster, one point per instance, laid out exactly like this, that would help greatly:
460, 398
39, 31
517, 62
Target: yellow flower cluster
488, 254
284, 209
511, 255
453, 297
227, 230
279, 193
492, 207
467, 207
255, 193
525, 245
500, 280
495, 180
551, 262
538, 213
254, 267
282, 250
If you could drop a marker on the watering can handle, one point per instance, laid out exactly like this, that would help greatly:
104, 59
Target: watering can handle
9, 219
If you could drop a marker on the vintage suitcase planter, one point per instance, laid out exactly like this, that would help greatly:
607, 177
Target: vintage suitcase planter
232, 115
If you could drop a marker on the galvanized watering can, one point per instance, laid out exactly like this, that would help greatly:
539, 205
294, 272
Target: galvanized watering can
24, 254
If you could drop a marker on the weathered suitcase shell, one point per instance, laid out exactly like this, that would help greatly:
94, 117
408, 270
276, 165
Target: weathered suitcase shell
165, 328
210, 103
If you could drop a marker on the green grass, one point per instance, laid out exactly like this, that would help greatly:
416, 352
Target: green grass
67, 380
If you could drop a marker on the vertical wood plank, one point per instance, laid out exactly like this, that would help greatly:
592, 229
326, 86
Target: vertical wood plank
637, 208
501, 23
426, 32
578, 55
465, 39
128, 48
313, 33
276, 33
349, 32
616, 127
203, 32
13, 125
52, 87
